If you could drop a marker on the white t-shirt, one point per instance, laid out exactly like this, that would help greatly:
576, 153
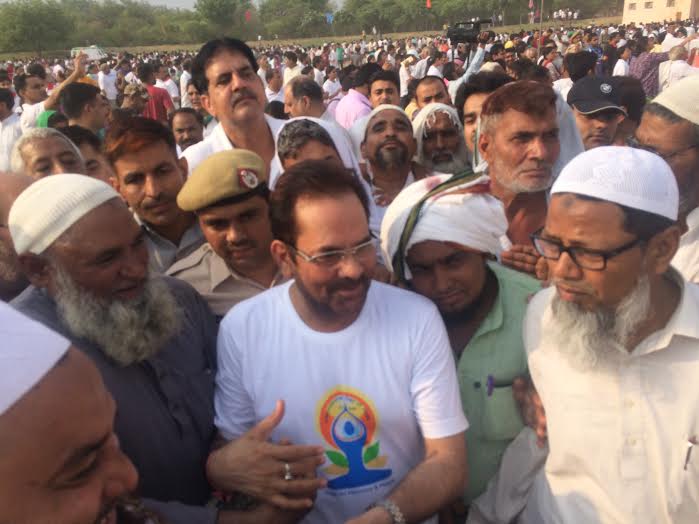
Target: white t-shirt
563, 85
621, 68
332, 88
368, 393
10, 131
170, 86
30, 112
107, 83
184, 80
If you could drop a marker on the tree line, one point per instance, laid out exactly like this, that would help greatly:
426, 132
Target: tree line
43, 25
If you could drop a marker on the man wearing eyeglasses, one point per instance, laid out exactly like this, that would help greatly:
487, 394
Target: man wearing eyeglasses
670, 128
612, 348
228, 193
365, 369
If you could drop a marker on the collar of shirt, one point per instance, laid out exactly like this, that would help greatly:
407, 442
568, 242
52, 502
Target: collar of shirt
682, 323
190, 236
221, 142
220, 272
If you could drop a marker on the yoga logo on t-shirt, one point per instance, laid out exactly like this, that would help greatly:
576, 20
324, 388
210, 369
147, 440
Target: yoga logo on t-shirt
348, 422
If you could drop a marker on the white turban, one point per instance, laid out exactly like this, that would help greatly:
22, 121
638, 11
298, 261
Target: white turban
425, 117
358, 130
47, 208
28, 351
476, 220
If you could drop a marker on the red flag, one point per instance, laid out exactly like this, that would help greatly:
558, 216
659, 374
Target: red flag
531, 4
248, 15
428, 4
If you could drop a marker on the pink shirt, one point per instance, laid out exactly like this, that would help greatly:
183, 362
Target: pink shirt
352, 107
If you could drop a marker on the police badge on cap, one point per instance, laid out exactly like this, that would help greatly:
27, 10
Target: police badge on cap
248, 178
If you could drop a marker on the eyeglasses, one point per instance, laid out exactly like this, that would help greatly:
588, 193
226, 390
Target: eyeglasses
633, 142
362, 252
591, 259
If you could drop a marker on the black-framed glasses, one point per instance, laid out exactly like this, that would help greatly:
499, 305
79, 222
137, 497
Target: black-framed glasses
591, 259
632, 141
329, 259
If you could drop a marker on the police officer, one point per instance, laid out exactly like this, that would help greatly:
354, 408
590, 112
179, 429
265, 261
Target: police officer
228, 192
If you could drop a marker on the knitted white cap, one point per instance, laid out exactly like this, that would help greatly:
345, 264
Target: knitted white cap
629, 177
48, 207
28, 351
682, 98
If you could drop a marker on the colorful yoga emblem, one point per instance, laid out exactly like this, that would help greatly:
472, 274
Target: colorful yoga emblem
348, 422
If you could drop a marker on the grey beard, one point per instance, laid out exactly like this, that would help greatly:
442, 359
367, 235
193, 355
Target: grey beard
454, 166
9, 269
126, 331
589, 339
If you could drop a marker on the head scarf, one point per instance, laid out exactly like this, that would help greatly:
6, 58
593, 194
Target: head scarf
444, 208
423, 118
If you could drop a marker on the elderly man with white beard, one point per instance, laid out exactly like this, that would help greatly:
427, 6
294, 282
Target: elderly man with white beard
613, 348
440, 140
153, 340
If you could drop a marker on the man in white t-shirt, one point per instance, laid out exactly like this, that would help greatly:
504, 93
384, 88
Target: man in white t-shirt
107, 79
31, 87
365, 370
184, 82
164, 81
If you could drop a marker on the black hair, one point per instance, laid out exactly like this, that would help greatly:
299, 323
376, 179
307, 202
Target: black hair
36, 70
385, 76
365, 73
275, 109
144, 72
211, 49
79, 136
311, 178
631, 96
305, 86
56, 118
579, 64
75, 96
186, 111
7, 98
485, 82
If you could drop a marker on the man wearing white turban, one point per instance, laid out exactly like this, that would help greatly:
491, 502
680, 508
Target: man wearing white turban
439, 134
440, 236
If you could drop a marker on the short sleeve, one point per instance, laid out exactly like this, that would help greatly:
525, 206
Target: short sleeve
434, 386
235, 412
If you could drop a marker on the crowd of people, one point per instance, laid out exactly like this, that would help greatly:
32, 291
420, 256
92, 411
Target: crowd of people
369, 282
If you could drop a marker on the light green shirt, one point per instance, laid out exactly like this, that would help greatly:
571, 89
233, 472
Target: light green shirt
496, 350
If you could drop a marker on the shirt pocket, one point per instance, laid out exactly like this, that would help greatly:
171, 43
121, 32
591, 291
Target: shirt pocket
683, 492
500, 417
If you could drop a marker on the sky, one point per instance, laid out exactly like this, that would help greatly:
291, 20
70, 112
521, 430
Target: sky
187, 4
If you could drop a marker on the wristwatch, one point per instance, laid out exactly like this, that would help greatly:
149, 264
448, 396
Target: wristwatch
392, 509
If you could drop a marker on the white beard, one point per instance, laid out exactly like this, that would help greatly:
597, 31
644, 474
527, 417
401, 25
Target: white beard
126, 331
592, 338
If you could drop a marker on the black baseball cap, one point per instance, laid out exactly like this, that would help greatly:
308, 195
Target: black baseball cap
592, 94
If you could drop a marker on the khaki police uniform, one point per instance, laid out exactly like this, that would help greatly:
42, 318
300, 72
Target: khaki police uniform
221, 177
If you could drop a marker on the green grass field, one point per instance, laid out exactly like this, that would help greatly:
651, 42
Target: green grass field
312, 41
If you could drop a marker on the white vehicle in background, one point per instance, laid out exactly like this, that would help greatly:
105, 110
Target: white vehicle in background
92, 52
